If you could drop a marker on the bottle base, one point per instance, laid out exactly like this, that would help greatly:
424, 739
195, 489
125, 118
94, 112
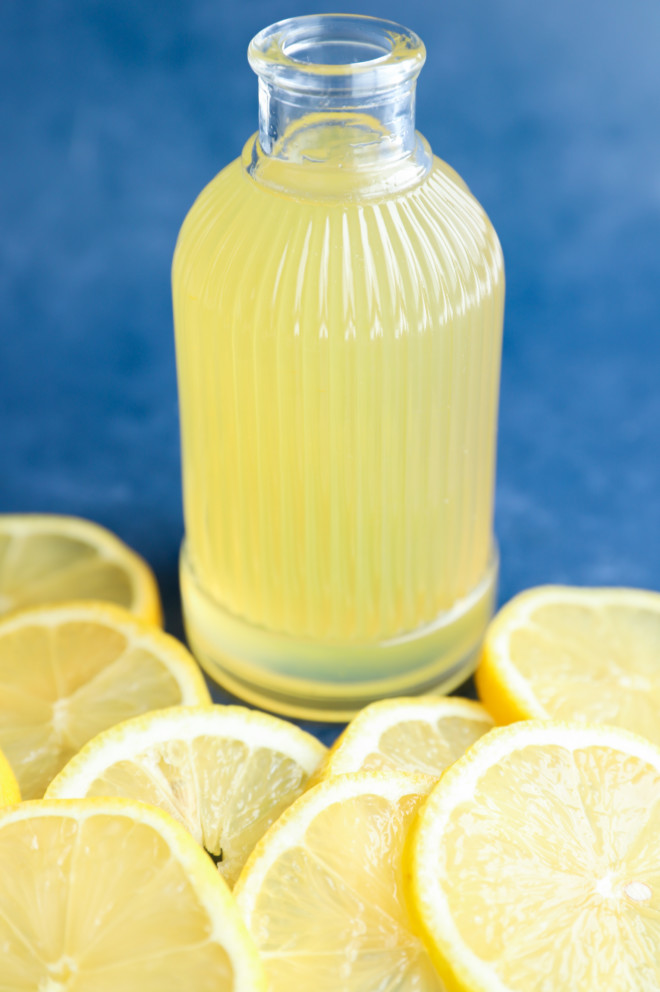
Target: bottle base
305, 679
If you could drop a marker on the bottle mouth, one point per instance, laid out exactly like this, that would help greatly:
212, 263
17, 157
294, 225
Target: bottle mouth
341, 51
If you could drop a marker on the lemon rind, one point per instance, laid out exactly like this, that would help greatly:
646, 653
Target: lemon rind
10, 792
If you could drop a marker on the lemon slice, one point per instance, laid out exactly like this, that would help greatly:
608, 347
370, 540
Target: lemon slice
9, 791
67, 672
225, 772
419, 735
536, 862
575, 654
322, 893
50, 559
108, 895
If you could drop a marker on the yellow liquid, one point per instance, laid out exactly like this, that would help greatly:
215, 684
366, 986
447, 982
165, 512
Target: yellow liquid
338, 360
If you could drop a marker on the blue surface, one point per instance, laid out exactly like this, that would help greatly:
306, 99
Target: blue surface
115, 114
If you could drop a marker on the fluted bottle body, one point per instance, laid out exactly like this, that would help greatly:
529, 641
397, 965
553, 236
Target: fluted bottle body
338, 345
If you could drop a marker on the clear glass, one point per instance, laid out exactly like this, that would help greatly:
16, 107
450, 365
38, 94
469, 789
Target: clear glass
338, 299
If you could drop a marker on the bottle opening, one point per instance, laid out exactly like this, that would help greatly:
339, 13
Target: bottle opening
334, 48
357, 41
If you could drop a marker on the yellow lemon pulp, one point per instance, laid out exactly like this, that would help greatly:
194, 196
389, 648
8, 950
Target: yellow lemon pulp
50, 559
224, 772
67, 672
107, 895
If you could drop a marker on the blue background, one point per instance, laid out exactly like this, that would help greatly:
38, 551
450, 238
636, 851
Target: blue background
114, 114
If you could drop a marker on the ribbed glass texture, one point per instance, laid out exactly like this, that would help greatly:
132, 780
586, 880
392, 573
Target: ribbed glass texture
339, 367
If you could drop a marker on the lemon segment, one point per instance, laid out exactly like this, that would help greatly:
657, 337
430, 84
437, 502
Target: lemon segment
536, 862
9, 791
103, 895
323, 891
47, 559
423, 735
69, 671
575, 654
224, 772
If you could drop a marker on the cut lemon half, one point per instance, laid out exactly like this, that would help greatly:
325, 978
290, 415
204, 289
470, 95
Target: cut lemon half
103, 895
51, 559
9, 791
322, 893
536, 862
575, 654
419, 735
67, 672
225, 772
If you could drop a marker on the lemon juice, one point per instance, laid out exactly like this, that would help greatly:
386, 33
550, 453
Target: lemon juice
338, 298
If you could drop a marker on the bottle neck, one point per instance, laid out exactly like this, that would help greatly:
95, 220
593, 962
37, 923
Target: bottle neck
337, 103
292, 124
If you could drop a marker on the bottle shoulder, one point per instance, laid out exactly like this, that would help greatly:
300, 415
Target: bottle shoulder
436, 227
237, 181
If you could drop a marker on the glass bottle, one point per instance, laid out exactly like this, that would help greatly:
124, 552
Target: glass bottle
338, 299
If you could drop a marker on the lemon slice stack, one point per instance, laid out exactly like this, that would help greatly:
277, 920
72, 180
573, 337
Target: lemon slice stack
224, 772
427, 851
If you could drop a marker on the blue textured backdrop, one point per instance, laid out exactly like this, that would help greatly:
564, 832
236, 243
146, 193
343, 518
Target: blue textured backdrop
115, 114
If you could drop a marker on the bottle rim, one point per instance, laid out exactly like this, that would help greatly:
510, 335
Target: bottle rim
315, 52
